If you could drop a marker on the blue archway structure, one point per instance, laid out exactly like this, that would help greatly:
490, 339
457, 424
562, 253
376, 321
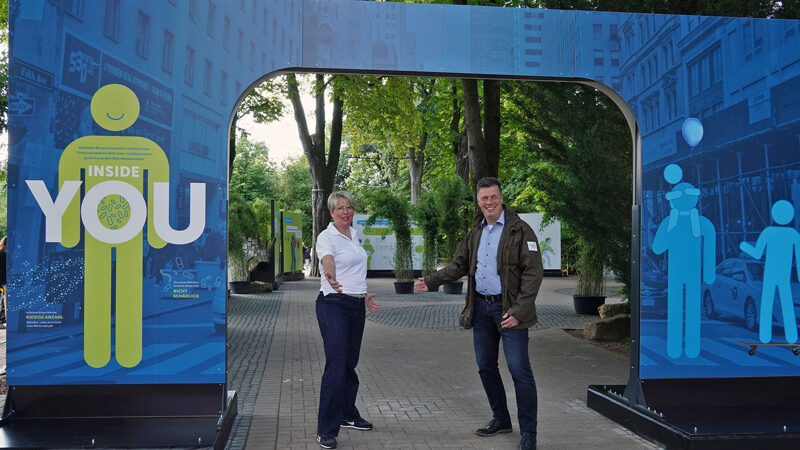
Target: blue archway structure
704, 190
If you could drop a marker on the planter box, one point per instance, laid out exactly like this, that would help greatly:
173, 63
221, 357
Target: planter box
404, 287
239, 287
587, 304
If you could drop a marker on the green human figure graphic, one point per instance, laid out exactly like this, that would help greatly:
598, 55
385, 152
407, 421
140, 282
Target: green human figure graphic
121, 163
547, 251
369, 249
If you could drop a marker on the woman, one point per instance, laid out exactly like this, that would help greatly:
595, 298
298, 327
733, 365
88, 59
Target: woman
341, 315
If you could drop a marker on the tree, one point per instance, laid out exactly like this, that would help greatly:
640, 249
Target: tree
294, 192
253, 174
451, 203
483, 130
242, 224
400, 113
386, 204
264, 104
323, 159
458, 135
574, 162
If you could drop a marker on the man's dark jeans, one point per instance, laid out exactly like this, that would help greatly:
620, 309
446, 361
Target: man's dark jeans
486, 336
341, 322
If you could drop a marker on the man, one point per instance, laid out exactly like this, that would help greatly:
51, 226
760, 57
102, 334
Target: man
502, 258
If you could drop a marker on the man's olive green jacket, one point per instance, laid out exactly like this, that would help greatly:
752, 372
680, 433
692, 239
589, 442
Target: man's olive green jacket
519, 264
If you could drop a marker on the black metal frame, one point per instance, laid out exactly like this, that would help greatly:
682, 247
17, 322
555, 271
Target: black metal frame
158, 415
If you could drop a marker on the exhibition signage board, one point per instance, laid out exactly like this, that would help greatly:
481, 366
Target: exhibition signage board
117, 175
117, 246
549, 235
292, 242
379, 242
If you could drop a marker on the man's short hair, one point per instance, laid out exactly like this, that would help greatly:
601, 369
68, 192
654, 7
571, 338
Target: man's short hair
489, 182
333, 199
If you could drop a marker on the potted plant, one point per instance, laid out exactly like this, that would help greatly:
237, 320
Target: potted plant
591, 280
241, 223
450, 200
426, 215
387, 205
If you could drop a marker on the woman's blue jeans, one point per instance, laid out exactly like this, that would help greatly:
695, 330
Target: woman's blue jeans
486, 336
341, 322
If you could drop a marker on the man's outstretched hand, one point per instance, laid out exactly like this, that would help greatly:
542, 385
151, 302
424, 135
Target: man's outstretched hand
420, 285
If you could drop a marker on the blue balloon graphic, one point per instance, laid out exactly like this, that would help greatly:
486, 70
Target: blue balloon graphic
692, 131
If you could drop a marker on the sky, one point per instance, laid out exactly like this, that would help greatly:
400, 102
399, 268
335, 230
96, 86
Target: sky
281, 136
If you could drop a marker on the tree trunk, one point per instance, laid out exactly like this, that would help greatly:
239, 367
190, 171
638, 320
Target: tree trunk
483, 136
474, 126
461, 152
416, 162
491, 127
459, 142
232, 146
321, 169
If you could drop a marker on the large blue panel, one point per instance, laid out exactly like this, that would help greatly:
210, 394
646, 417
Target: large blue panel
187, 63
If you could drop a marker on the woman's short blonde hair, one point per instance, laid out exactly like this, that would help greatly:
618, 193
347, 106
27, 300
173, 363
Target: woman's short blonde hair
333, 200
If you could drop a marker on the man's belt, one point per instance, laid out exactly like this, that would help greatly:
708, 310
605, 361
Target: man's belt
489, 298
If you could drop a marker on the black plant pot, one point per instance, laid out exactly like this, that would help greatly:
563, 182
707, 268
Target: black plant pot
404, 287
585, 304
433, 289
453, 288
239, 287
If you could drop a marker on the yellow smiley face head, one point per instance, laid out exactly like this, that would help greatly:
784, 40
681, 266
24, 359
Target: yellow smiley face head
115, 107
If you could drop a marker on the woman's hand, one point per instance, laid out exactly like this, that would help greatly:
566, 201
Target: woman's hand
369, 300
334, 284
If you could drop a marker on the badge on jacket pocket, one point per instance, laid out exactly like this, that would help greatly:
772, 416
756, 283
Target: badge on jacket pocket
532, 246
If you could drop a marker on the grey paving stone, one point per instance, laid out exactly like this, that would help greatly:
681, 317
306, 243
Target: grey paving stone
444, 317
419, 384
251, 322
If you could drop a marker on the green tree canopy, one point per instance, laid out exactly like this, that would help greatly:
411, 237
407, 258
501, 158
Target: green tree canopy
253, 173
574, 163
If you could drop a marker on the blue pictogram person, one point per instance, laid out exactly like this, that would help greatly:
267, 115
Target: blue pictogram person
690, 240
781, 243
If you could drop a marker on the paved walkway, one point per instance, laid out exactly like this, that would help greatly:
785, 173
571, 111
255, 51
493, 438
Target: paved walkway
419, 383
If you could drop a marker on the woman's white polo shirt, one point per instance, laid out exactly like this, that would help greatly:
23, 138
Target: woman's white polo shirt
349, 258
